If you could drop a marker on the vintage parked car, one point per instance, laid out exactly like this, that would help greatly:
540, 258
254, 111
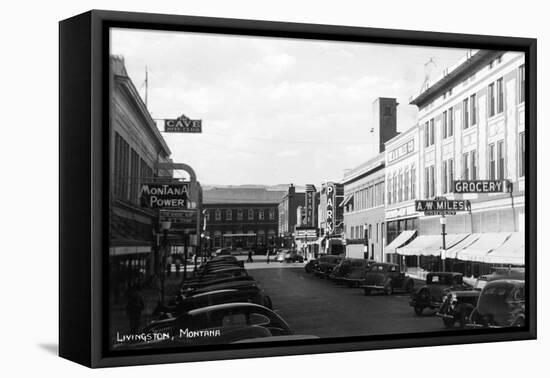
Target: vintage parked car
238, 285
183, 304
356, 272
310, 266
293, 256
388, 278
218, 324
326, 265
500, 304
281, 253
199, 282
340, 270
216, 266
458, 304
432, 294
222, 252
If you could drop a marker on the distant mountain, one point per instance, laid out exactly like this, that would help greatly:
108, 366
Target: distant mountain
282, 187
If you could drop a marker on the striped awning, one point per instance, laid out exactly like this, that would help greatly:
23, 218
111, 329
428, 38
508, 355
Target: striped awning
482, 246
401, 239
512, 251
430, 245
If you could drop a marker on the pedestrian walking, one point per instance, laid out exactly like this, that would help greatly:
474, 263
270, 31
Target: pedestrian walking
249, 256
178, 266
134, 307
267, 256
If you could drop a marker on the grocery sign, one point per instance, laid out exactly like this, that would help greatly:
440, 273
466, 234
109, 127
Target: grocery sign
442, 206
481, 186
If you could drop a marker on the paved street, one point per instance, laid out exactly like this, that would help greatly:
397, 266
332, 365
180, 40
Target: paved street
319, 307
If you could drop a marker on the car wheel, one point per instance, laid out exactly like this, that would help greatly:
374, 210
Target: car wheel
367, 291
409, 286
464, 315
449, 322
388, 288
418, 311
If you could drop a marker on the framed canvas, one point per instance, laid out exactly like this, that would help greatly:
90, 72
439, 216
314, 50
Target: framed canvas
235, 188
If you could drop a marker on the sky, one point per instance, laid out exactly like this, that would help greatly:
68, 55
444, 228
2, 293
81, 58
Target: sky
273, 110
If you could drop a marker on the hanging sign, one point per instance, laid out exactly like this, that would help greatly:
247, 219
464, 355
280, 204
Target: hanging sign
183, 125
442, 206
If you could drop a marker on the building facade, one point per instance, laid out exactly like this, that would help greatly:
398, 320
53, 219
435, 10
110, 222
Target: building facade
364, 189
472, 127
240, 217
136, 146
364, 209
288, 219
402, 183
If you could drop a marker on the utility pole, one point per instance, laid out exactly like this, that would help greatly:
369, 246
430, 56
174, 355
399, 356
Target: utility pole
146, 85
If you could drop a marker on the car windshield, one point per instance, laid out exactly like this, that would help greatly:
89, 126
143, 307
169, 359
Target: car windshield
378, 268
443, 279
480, 284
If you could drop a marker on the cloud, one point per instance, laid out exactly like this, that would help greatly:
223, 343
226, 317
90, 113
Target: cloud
273, 109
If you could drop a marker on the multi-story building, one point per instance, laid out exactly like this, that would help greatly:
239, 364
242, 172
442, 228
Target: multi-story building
401, 218
472, 127
136, 146
364, 189
287, 210
364, 209
240, 217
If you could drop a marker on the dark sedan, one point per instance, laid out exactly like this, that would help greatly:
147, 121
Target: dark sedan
500, 304
218, 324
388, 278
357, 272
326, 265
432, 294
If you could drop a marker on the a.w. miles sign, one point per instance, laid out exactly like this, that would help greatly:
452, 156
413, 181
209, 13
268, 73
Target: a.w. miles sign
442, 207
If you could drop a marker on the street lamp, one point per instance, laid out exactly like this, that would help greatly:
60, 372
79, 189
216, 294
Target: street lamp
164, 226
443, 222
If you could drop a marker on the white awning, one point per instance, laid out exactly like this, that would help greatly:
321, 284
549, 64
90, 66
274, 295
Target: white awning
346, 200
430, 245
485, 243
129, 250
237, 235
401, 239
511, 252
462, 245
317, 241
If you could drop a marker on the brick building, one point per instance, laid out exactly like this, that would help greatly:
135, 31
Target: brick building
287, 210
240, 217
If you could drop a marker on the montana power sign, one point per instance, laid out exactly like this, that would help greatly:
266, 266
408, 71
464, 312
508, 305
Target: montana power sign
163, 196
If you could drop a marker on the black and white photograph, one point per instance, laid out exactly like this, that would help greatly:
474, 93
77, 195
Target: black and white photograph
265, 190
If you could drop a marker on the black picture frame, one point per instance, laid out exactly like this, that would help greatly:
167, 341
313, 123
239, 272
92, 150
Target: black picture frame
84, 117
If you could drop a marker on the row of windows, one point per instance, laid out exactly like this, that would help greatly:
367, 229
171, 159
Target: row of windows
252, 214
402, 186
368, 197
130, 170
495, 106
496, 167
364, 232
